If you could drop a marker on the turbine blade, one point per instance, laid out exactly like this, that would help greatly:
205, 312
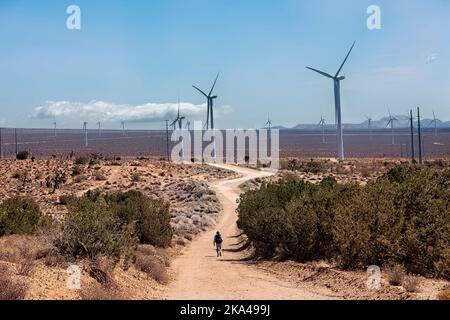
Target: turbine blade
345, 60
200, 91
321, 72
214, 84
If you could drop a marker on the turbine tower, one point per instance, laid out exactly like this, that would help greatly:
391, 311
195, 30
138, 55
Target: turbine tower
391, 122
99, 128
85, 133
123, 127
54, 127
209, 105
322, 123
337, 101
369, 123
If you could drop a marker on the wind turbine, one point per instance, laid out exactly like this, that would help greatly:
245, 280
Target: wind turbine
99, 128
178, 120
391, 122
123, 127
85, 133
435, 124
268, 124
369, 123
322, 123
188, 125
54, 126
209, 99
337, 101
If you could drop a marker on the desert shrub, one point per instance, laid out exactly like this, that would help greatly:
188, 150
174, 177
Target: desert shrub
411, 284
402, 217
20, 215
150, 217
136, 177
153, 267
56, 179
81, 160
112, 225
262, 214
313, 167
22, 155
11, 289
99, 176
77, 170
91, 229
66, 199
396, 275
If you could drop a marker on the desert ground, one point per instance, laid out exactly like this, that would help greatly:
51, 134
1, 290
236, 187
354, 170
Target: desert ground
202, 200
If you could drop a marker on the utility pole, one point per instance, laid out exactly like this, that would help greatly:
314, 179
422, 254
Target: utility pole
167, 140
420, 136
413, 156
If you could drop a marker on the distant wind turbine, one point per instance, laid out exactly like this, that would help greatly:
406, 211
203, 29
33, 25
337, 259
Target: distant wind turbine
435, 124
188, 125
268, 124
99, 128
54, 127
178, 120
322, 123
391, 122
85, 133
123, 127
369, 123
337, 101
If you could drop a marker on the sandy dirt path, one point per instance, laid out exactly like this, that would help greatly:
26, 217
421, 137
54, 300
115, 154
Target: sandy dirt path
200, 275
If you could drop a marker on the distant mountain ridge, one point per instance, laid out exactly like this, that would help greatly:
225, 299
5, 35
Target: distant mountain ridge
402, 122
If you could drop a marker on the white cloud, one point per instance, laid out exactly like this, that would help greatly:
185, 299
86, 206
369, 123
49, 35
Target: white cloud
111, 112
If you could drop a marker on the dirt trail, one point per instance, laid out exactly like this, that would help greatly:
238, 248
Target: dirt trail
200, 275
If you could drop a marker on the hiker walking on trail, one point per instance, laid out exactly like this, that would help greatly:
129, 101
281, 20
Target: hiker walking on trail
218, 243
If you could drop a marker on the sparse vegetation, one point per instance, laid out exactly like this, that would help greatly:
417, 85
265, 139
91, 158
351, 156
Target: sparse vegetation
112, 225
11, 289
396, 275
402, 217
21, 215
22, 155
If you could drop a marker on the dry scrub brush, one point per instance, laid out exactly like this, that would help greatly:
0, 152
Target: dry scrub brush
402, 217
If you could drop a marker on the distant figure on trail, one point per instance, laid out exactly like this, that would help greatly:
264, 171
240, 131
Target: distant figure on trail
218, 243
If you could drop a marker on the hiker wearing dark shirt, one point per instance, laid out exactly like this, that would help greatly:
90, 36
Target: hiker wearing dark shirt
218, 243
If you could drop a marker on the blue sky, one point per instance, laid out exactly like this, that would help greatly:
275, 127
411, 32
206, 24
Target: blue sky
131, 56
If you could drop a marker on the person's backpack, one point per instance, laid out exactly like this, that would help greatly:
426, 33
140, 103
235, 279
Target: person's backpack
218, 238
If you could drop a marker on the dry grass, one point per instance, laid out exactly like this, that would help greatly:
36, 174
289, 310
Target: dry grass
20, 249
396, 275
411, 284
10, 288
100, 292
153, 267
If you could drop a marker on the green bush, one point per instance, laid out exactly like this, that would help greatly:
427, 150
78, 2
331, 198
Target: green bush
113, 225
92, 230
403, 217
151, 217
22, 155
20, 215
